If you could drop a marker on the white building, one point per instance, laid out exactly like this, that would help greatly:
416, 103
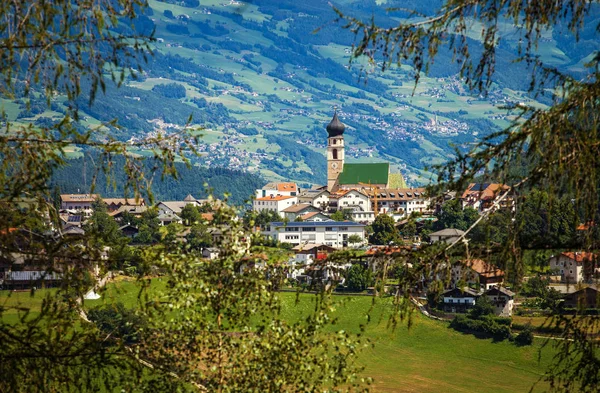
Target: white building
571, 265
317, 198
277, 188
502, 299
351, 199
399, 202
276, 203
78, 202
331, 233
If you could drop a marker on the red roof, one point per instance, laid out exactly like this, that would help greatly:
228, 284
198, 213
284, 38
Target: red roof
579, 257
484, 269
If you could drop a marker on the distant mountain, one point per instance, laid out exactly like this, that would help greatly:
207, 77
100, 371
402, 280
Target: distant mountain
263, 77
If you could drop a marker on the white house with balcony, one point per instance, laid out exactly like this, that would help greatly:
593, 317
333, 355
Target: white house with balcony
276, 203
331, 233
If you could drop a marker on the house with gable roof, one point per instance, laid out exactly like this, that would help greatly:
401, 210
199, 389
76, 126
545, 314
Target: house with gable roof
477, 271
175, 207
298, 209
481, 196
574, 267
276, 203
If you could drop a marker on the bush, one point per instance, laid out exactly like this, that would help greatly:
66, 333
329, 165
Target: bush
525, 337
118, 322
358, 278
488, 325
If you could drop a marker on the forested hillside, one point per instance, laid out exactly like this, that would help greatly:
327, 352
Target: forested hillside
262, 79
197, 181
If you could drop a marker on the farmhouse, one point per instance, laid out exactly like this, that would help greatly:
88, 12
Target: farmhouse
459, 300
477, 271
573, 267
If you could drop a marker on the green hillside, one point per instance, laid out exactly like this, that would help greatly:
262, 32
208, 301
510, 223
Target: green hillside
263, 78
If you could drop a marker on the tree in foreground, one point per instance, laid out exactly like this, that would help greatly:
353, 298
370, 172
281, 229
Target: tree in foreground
555, 149
217, 326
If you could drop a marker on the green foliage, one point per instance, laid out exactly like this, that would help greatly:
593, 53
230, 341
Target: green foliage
342, 215
483, 307
355, 239
359, 278
170, 90
543, 222
225, 331
488, 325
452, 215
525, 337
199, 237
102, 226
384, 230
119, 323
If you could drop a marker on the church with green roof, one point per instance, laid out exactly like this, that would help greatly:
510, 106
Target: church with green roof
344, 176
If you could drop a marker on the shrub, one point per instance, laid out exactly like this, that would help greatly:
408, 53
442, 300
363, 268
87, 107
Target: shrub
118, 321
525, 337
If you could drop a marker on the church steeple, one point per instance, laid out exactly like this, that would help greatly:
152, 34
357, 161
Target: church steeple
335, 151
335, 127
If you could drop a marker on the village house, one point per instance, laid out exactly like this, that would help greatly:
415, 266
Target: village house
353, 200
399, 202
448, 235
299, 209
573, 267
114, 204
175, 207
481, 196
458, 300
276, 203
304, 256
78, 202
583, 298
319, 198
502, 299
314, 216
167, 217
331, 233
477, 271
278, 188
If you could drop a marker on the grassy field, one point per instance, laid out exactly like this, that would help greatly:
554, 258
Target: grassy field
428, 357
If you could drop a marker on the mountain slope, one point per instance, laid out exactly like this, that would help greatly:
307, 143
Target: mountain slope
263, 79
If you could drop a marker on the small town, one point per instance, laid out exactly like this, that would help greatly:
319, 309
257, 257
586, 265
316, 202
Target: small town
321, 196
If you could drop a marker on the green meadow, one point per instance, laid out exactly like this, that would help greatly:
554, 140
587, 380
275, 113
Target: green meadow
427, 357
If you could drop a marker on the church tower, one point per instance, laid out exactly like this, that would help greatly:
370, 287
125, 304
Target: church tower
335, 151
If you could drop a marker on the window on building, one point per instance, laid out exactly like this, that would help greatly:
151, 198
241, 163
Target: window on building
334, 152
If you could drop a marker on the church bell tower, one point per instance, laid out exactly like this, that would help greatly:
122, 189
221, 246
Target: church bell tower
335, 152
